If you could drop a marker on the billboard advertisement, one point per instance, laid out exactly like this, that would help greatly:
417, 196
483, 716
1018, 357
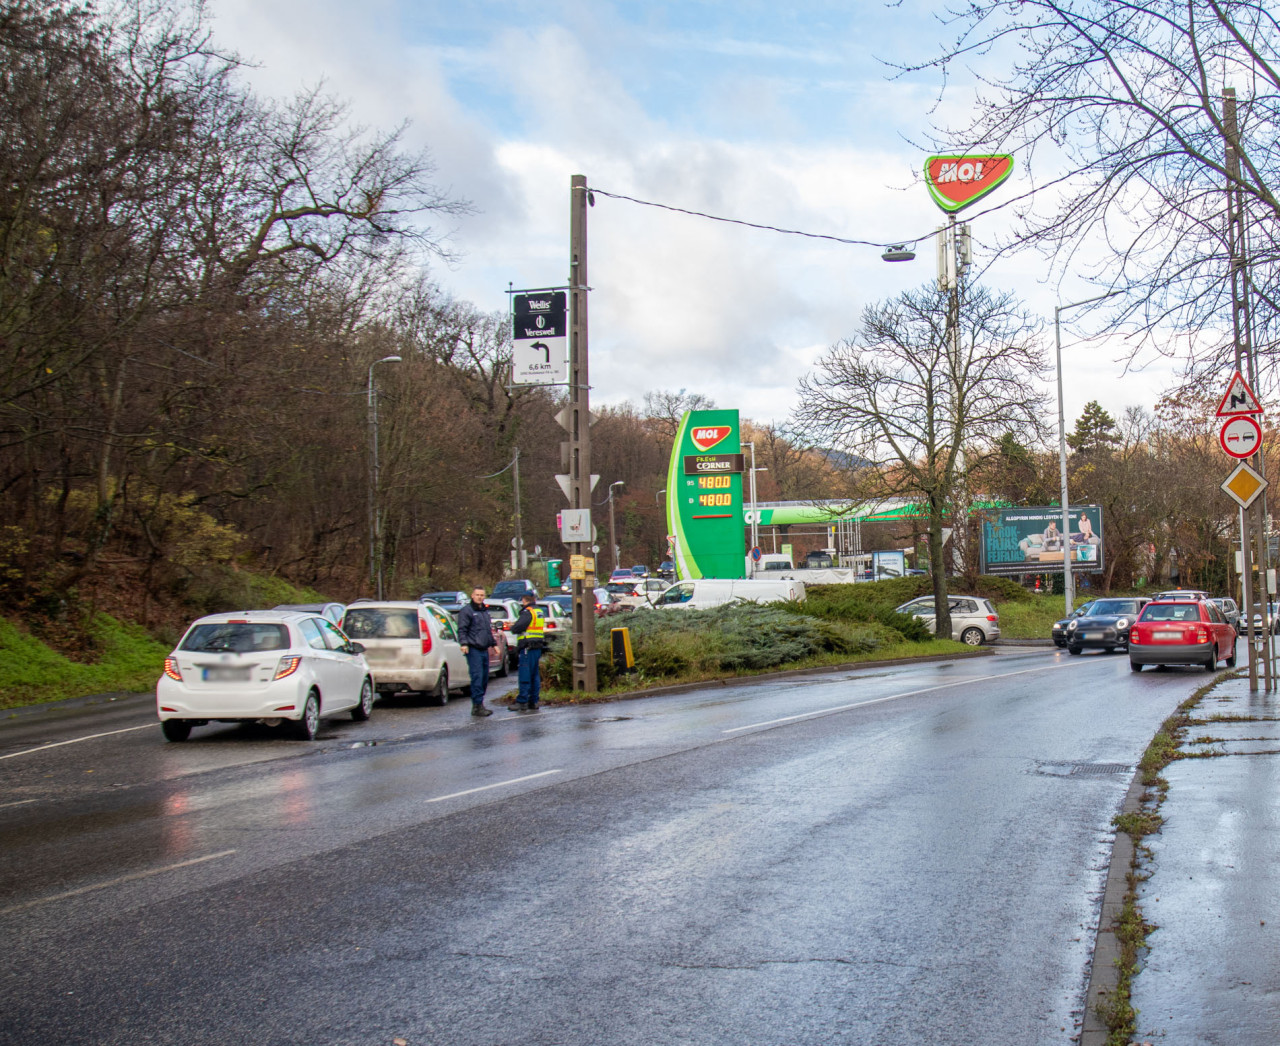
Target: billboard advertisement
1030, 540
704, 496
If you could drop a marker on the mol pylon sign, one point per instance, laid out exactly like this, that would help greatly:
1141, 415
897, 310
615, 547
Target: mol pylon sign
956, 181
704, 496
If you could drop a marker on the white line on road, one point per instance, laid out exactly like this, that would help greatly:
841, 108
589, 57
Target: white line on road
77, 740
20, 802
500, 784
116, 882
891, 697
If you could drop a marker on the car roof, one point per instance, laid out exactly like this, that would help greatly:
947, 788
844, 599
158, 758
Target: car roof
263, 616
401, 604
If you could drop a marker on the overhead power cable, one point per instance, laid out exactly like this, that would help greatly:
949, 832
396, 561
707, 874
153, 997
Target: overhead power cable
757, 225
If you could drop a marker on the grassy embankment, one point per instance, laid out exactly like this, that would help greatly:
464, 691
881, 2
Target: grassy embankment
113, 656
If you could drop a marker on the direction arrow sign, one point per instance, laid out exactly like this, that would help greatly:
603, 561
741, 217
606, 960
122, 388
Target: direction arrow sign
539, 339
1241, 436
1244, 485
1238, 399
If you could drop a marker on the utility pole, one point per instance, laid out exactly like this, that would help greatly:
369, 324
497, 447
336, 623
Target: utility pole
579, 413
520, 560
375, 511
613, 540
1253, 531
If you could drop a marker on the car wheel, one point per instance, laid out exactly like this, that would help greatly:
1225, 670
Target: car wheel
305, 728
1134, 666
440, 695
1212, 663
1231, 659
1074, 650
175, 729
972, 637
364, 709
504, 669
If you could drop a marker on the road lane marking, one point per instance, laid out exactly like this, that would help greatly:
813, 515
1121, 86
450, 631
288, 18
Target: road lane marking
890, 697
76, 740
499, 784
115, 882
20, 802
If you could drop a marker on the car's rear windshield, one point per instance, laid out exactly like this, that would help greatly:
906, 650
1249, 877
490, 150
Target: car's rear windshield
236, 637
620, 588
1171, 612
385, 623
1104, 607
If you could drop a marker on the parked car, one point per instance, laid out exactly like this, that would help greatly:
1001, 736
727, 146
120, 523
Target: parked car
973, 619
557, 622
1059, 630
262, 665
1104, 626
329, 611
451, 601
512, 589
500, 660
411, 647
667, 570
1269, 618
640, 570
711, 592
622, 574
503, 613
1181, 593
1181, 632
565, 600
1229, 610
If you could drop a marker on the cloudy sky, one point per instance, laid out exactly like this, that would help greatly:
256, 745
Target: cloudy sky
780, 114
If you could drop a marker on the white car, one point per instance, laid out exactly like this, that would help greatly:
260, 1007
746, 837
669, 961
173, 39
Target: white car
411, 646
974, 620
268, 665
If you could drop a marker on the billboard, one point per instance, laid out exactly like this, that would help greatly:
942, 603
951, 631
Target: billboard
704, 496
1030, 540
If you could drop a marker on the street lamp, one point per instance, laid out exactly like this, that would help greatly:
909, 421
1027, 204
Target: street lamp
613, 541
1068, 582
375, 527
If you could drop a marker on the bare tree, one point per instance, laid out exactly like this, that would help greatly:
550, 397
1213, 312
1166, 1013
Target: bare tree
923, 408
1115, 107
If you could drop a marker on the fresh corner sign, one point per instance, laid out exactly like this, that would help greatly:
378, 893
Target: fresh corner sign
704, 496
957, 181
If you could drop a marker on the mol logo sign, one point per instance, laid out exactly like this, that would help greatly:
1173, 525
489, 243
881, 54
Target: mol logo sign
957, 181
707, 436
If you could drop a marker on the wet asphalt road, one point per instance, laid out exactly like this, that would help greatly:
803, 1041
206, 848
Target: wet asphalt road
909, 854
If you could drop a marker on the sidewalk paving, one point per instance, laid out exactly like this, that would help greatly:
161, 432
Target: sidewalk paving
1212, 971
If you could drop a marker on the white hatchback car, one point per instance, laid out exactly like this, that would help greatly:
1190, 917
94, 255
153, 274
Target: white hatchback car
410, 645
268, 665
973, 619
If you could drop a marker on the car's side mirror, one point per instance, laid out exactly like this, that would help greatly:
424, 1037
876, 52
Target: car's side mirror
355, 648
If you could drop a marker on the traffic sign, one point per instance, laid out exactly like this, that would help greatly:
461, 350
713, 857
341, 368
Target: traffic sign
1244, 485
1241, 436
539, 339
756, 553
1238, 399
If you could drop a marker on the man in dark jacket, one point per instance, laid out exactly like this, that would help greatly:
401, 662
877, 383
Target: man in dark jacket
475, 633
530, 626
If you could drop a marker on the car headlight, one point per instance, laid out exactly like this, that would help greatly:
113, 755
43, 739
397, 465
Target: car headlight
1122, 623
1072, 626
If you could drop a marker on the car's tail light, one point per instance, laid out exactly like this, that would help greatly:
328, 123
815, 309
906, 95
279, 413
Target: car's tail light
171, 668
425, 629
287, 666
1202, 635
992, 617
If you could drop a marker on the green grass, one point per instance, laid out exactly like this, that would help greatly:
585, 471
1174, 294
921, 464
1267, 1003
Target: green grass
1033, 619
129, 660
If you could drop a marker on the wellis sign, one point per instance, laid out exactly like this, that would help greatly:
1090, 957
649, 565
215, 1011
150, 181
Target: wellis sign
957, 181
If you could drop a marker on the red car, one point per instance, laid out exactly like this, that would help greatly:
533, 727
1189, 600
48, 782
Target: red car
1181, 632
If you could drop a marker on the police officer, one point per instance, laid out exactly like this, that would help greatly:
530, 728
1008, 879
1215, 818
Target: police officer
530, 626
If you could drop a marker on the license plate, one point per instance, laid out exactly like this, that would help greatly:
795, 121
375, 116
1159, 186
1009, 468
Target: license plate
1093, 635
1166, 635
227, 675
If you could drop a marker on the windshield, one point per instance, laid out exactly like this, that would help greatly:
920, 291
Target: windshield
236, 637
386, 623
620, 588
1112, 607
1171, 612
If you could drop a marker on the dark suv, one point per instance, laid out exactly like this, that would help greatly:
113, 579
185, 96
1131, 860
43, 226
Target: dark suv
512, 589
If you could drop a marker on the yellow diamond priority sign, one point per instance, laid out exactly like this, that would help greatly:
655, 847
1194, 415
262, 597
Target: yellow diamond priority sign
1244, 485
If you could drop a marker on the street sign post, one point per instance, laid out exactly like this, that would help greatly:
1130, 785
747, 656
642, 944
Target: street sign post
1241, 436
1244, 485
539, 339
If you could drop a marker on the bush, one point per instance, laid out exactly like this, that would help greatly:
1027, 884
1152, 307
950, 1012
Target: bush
736, 637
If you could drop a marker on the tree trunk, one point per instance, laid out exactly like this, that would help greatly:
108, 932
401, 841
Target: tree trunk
937, 567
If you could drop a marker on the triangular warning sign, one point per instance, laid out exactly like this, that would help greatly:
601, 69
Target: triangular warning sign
1239, 399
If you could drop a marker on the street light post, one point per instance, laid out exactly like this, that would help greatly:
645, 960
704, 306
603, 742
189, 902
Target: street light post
375, 521
1068, 581
613, 540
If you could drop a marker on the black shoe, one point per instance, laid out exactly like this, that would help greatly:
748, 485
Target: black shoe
533, 708
481, 710
518, 706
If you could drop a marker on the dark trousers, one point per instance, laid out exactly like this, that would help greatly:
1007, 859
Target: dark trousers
529, 676
478, 663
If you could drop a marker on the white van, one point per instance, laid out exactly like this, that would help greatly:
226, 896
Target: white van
711, 592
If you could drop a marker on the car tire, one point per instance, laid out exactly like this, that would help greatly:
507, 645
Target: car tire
1074, 650
305, 729
505, 670
972, 637
440, 695
364, 709
1134, 666
1231, 659
175, 729
1212, 663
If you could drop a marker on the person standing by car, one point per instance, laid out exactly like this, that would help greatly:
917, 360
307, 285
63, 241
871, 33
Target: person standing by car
530, 626
475, 634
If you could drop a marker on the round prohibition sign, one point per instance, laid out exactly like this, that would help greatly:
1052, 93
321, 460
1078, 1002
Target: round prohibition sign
1241, 436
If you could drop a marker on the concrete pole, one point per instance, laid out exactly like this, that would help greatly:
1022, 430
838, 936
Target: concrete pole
375, 516
584, 604
515, 466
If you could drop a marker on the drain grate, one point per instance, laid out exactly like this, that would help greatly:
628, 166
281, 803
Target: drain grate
1083, 769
